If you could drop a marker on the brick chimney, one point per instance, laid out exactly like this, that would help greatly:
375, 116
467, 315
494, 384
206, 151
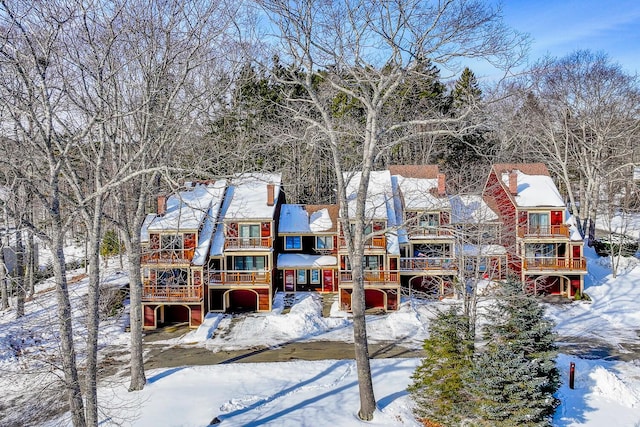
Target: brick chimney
513, 182
271, 189
441, 185
162, 205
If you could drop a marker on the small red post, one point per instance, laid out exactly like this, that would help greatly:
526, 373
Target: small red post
572, 374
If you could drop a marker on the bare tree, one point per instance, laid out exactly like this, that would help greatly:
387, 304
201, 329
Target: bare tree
618, 207
580, 115
167, 66
351, 55
33, 102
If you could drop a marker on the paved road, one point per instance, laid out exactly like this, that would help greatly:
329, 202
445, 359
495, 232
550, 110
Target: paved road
161, 356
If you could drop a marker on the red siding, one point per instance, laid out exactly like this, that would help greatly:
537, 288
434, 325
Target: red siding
495, 192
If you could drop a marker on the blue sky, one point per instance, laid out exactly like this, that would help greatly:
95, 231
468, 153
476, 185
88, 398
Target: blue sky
560, 27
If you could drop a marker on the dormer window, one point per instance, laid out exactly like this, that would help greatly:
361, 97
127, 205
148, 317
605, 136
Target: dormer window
292, 243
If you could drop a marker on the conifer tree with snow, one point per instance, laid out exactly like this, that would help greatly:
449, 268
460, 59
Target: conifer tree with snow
515, 375
438, 387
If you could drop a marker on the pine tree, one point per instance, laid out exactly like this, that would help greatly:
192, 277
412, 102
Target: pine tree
438, 386
508, 391
467, 155
516, 373
110, 245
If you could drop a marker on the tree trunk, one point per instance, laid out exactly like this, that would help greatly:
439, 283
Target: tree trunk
138, 379
93, 316
68, 352
4, 290
18, 275
363, 366
31, 266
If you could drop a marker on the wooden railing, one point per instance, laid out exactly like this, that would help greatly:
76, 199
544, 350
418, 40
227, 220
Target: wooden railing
429, 231
427, 263
167, 256
158, 292
379, 242
373, 277
248, 243
552, 263
238, 277
561, 230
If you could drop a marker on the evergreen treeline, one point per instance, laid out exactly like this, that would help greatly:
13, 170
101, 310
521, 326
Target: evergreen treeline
255, 122
508, 380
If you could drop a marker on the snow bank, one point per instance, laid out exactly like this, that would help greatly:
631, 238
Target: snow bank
605, 394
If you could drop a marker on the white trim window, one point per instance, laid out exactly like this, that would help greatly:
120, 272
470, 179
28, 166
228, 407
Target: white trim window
315, 277
324, 243
302, 276
292, 243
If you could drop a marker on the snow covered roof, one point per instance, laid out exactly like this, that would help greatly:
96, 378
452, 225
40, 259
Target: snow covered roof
380, 202
378, 194
470, 209
534, 190
187, 210
402, 235
310, 219
293, 219
322, 218
419, 194
144, 230
306, 261
217, 243
205, 236
249, 198
574, 234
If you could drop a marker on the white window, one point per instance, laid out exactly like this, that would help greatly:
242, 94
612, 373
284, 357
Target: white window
302, 276
539, 221
315, 276
324, 242
250, 230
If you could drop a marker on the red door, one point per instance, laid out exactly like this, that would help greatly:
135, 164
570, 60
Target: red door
327, 281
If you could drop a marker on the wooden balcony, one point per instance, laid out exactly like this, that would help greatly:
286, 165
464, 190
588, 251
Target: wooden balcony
554, 264
173, 256
240, 278
547, 231
429, 232
234, 243
377, 242
373, 277
427, 264
168, 293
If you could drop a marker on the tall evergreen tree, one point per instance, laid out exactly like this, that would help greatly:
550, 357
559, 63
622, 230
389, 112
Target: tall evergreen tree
515, 375
438, 387
467, 155
421, 95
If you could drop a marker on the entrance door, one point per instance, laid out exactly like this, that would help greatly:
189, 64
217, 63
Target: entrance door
327, 280
289, 280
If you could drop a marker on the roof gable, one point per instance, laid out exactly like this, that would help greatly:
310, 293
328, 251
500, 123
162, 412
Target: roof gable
249, 197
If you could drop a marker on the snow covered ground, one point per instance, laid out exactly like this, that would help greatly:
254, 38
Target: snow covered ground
301, 393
